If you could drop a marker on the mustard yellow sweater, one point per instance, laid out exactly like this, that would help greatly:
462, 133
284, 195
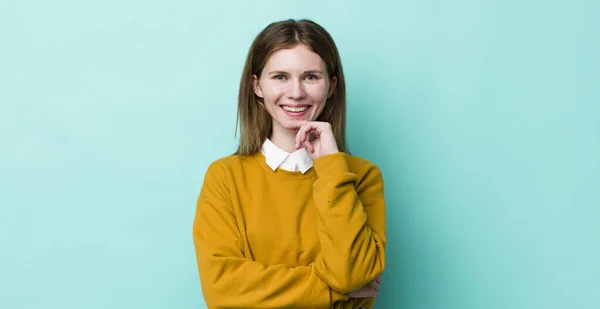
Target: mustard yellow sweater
280, 239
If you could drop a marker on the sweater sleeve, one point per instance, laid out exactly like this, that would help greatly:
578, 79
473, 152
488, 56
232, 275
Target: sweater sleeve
351, 223
228, 279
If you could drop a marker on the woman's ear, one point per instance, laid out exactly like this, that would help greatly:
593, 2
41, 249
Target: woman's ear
332, 86
256, 86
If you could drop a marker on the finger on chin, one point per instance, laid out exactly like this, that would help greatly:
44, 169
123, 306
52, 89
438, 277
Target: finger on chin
308, 146
303, 135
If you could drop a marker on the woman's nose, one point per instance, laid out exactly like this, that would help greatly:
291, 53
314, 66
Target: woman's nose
296, 90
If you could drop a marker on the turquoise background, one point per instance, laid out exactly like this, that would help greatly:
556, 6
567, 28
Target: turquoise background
483, 115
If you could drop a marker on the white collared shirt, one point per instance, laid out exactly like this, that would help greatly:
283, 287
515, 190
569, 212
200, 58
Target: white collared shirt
279, 158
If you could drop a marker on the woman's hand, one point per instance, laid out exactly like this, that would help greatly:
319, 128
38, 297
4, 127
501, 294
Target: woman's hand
316, 136
369, 290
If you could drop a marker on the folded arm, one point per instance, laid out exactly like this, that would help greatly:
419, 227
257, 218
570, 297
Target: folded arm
228, 279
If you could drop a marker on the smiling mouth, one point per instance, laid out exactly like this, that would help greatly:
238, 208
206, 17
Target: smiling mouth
298, 109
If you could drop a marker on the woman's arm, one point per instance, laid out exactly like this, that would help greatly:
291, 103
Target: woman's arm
228, 279
351, 223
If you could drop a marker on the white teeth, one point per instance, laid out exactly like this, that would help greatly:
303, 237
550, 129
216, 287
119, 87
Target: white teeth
295, 109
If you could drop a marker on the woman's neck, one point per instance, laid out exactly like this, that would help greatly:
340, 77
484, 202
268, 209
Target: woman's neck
284, 139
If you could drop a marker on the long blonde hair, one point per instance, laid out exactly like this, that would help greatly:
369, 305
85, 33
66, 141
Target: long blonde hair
253, 119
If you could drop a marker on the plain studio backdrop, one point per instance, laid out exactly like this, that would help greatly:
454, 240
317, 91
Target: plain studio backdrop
484, 117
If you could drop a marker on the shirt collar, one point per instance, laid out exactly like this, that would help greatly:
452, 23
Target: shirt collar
275, 156
303, 160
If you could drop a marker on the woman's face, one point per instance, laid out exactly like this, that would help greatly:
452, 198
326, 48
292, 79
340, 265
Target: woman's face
294, 85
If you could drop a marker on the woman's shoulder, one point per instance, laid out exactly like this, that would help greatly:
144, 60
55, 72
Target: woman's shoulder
358, 164
366, 171
231, 161
220, 171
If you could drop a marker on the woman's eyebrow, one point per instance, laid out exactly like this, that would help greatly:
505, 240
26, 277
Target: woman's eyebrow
313, 71
277, 72
305, 72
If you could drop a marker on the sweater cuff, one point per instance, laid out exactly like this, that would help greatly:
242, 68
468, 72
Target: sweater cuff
335, 163
337, 296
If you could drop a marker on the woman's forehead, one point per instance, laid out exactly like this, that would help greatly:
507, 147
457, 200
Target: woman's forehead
295, 58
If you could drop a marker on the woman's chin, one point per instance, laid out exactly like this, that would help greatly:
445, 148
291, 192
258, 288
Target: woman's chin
288, 120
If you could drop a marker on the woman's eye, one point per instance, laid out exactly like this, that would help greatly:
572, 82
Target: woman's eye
312, 77
279, 77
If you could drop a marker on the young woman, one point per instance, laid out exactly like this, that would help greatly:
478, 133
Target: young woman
291, 220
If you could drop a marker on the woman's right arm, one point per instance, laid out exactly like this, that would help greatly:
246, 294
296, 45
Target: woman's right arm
228, 279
